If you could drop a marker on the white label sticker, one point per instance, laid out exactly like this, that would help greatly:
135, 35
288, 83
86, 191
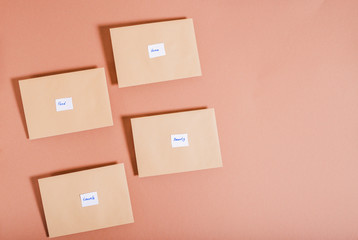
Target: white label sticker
179, 140
89, 199
63, 104
156, 50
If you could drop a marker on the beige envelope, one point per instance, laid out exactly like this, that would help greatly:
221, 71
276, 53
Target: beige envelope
155, 52
86, 200
176, 142
65, 103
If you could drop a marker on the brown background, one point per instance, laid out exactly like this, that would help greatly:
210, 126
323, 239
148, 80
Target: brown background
281, 75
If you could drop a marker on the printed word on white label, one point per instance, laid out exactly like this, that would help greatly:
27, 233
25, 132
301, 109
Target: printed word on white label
63, 104
179, 140
89, 199
156, 50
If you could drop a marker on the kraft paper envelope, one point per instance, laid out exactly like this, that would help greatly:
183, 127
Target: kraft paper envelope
65, 103
86, 200
176, 142
155, 52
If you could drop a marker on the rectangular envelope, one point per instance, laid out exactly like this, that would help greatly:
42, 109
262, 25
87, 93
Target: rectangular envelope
65, 103
86, 200
176, 142
155, 52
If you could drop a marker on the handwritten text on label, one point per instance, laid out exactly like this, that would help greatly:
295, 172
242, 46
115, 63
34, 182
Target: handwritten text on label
63, 104
156, 50
89, 199
179, 140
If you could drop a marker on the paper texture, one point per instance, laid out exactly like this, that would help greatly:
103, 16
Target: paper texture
153, 142
155, 52
84, 98
63, 207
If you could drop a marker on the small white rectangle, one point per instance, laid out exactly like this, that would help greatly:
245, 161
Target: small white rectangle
89, 199
156, 50
63, 104
179, 140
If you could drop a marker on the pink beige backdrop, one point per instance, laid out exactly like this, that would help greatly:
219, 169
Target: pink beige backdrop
282, 76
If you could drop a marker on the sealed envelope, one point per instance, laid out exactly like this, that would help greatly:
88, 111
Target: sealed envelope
86, 200
155, 52
66, 103
176, 142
